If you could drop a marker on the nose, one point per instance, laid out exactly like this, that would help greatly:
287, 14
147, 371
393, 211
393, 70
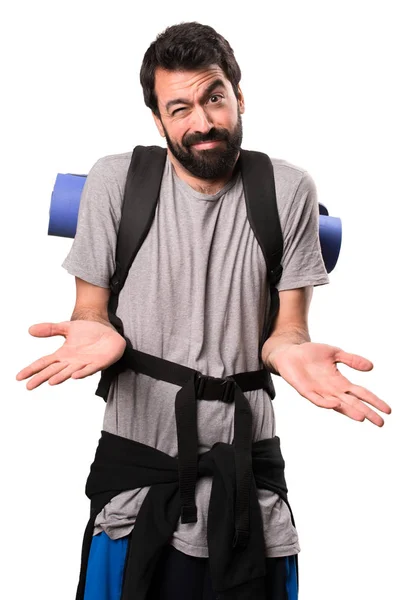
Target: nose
201, 121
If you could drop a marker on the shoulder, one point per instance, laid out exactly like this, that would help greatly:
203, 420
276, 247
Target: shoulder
105, 184
291, 181
112, 169
295, 188
289, 177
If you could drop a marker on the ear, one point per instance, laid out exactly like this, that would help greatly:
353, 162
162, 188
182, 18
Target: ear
240, 100
159, 125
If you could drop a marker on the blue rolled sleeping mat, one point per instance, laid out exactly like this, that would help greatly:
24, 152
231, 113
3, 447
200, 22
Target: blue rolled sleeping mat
66, 197
330, 237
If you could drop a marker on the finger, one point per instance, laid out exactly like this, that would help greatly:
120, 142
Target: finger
65, 374
351, 403
367, 396
347, 408
354, 361
86, 371
320, 400
347, 411
334, 402
45, 375
35, 367
49, 329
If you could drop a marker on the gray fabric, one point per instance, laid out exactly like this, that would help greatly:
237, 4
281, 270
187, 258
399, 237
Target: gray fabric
195, 295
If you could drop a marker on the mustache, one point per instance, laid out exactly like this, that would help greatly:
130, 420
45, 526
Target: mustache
214, 135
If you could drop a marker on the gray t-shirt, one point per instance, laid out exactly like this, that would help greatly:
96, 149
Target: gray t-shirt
195, 295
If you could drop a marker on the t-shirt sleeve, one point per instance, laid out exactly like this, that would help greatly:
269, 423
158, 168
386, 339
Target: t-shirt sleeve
302, 260
92, 255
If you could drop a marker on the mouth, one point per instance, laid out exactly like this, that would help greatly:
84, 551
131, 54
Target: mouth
206, 145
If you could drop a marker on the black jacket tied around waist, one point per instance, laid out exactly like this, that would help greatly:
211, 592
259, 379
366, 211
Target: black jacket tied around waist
121, 464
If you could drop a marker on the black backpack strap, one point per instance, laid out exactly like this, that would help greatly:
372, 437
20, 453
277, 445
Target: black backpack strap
139, 206
262, 210
262, 213
142, 189
141, 194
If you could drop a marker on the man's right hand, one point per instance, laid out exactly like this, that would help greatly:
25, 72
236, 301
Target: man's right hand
89, 347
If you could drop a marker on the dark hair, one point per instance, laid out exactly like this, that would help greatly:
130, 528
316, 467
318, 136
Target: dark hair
187, 46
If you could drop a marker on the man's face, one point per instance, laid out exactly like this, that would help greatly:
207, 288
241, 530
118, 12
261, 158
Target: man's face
200, 118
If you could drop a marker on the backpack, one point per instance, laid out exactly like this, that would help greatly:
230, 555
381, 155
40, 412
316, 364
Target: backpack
139, 206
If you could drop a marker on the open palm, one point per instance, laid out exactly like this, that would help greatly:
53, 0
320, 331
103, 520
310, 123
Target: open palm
312, 370
89, 347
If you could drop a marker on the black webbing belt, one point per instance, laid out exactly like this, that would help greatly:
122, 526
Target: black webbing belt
195, 386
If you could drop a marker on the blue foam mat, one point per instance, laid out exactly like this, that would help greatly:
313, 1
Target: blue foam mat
66, 197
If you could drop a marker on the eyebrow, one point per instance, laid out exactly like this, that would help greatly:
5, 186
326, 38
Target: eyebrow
215, 84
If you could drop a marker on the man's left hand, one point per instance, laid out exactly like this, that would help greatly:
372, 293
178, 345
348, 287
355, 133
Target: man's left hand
312, 370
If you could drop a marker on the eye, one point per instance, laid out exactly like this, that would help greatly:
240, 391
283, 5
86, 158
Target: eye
215, 98
178, 110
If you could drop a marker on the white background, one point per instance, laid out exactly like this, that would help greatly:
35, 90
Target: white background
320, 81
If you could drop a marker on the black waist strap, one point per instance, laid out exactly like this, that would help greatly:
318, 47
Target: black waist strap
177, 374
211, 388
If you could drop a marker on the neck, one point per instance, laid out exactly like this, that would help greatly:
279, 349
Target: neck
204, 186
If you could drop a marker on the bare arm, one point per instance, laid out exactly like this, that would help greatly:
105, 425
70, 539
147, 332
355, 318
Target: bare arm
291, 324
91, 303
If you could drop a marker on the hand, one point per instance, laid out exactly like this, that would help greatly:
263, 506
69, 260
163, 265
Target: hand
311, 369
89, 347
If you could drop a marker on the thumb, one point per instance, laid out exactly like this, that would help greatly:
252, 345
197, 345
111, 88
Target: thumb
354, 361
49, 329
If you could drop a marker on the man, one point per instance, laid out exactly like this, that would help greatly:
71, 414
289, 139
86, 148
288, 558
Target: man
196, 296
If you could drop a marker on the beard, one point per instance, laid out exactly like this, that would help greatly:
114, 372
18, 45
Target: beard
212, 163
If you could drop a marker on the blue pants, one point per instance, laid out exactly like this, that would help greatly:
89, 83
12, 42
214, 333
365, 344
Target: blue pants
178, 576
